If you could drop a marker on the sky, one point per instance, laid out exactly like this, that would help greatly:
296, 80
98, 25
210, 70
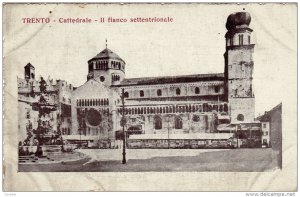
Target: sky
193, 44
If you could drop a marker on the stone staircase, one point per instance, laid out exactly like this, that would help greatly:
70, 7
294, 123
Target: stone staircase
52, 157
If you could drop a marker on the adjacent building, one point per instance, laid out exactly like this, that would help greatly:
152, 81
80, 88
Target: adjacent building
57, 96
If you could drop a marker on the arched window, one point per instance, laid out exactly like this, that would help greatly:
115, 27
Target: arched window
180, 109
177, 91
178, 123
209, 108
221, 108
126, 94
225, 108
159, 92
141, 93
193, 108
241, 37
197, 90
217, 89
157, 123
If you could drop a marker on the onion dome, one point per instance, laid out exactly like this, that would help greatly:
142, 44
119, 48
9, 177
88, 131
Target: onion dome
238, 19
106, 54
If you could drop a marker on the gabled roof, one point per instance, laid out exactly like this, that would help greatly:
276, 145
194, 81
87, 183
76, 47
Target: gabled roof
29, 65
172, 79
266, 117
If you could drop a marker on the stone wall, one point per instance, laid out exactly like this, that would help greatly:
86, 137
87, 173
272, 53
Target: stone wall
243, 106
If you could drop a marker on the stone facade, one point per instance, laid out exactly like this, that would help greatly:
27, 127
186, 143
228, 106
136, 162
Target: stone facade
175, 105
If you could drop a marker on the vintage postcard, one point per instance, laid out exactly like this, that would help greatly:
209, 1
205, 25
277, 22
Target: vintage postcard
125, 97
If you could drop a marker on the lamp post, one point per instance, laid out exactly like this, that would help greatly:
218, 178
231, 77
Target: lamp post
169, 131
108, 127
123, 127
237, 136
80, 138
238, 128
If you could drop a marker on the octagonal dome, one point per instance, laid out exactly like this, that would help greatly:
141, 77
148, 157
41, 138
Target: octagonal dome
107, 54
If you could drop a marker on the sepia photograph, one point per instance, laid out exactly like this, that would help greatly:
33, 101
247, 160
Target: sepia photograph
151, 88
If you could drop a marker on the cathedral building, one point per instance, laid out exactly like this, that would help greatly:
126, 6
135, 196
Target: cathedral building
194, 110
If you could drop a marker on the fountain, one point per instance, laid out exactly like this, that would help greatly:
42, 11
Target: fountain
43, 136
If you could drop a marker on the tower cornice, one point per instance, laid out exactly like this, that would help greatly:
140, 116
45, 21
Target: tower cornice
237, 47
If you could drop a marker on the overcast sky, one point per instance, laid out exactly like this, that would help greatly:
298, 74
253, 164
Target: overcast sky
193, 44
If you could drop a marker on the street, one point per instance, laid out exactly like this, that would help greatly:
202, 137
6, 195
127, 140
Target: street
239, 160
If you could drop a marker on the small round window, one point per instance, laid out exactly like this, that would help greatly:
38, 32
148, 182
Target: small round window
240, 117
102, 78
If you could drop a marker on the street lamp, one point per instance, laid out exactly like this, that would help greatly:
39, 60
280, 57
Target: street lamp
237, 136
108, 127
123, 122
237, 129
169, 131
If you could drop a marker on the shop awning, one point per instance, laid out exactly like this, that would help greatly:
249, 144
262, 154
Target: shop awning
198, 136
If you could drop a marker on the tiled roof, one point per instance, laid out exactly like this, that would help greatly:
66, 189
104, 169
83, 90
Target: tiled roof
267, 116
172, 79
106, 53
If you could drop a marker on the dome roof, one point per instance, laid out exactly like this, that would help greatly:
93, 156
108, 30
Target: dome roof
237, 19
105, 54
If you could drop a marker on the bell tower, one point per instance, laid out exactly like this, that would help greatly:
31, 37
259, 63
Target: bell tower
239, 67
29, 72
